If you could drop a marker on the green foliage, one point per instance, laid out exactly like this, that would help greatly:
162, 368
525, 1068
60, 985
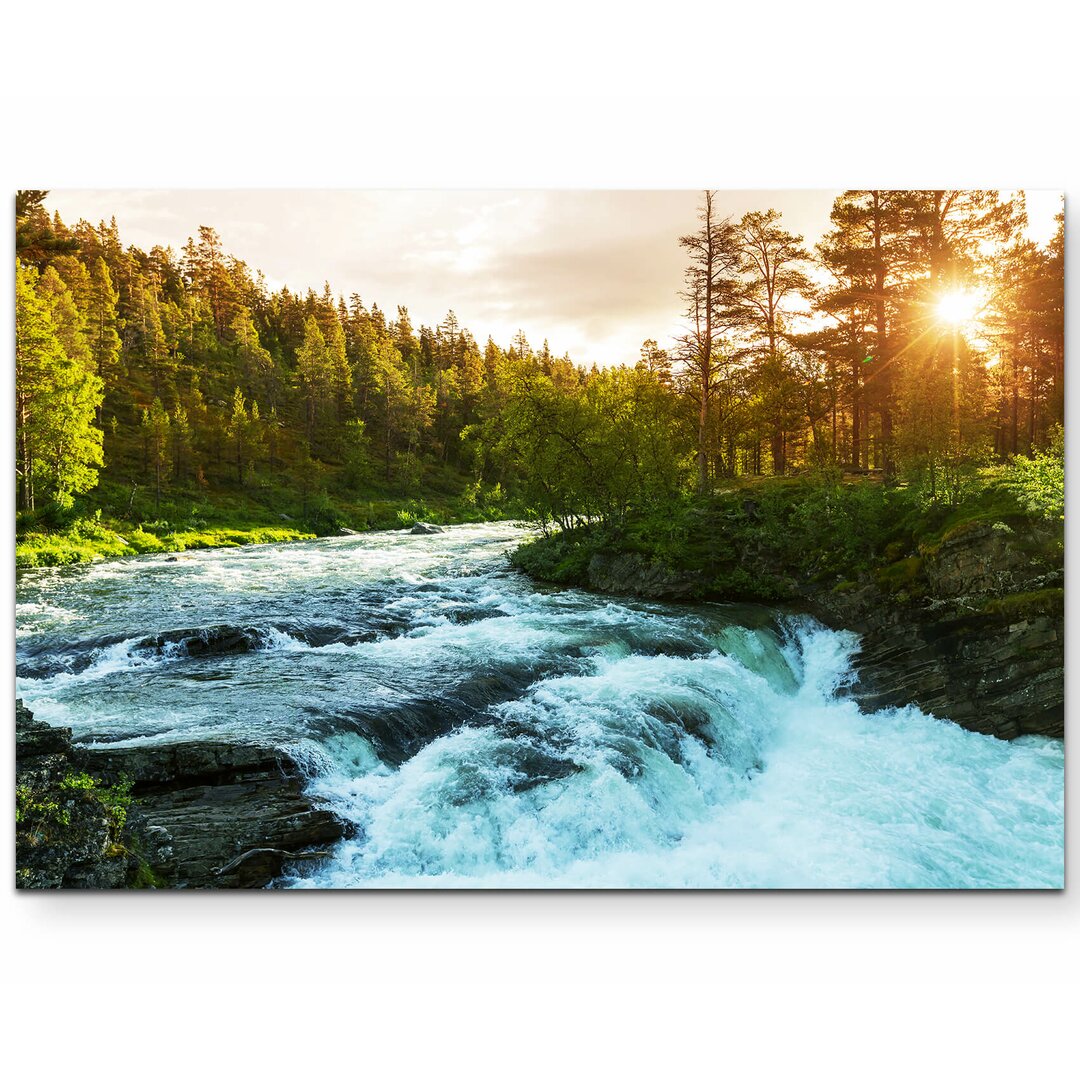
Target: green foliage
588, 449
43, 811
766, 540
89, 540
1038, 482
114, 799
562, 557
37, 813
185, 389
58, 446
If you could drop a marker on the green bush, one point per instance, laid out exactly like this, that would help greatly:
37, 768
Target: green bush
562, 558
1038, 483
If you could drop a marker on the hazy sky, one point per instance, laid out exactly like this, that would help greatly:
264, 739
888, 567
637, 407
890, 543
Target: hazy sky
594, 272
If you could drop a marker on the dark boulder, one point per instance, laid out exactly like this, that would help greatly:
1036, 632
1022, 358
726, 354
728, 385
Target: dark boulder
422, 528
234, 813
633, 574
201, 814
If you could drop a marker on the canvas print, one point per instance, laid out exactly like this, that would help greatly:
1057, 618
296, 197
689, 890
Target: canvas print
539, 539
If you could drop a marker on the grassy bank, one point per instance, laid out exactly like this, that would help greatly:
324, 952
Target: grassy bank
773, 539
118, 522
89, 539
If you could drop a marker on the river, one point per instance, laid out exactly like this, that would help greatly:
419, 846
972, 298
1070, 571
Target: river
481, 731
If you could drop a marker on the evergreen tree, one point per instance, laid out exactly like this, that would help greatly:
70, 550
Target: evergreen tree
101, 321
313, 369
156, 424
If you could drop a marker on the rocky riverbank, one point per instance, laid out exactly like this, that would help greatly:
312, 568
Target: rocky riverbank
970, 628
204, 815
974, 631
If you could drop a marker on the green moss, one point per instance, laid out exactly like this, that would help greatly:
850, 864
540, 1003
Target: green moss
993, 505
145, 877
899, 575
1028, 605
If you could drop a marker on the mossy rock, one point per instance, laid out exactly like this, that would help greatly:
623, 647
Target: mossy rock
899, 576
1028, 605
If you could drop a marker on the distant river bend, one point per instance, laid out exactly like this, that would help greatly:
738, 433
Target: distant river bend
479, 731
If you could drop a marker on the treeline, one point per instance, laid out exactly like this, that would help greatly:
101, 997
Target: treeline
922, 337
177, 369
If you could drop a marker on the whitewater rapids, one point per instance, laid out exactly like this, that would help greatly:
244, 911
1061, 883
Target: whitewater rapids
481, 732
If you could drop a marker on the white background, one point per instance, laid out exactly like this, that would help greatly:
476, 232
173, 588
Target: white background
536, 95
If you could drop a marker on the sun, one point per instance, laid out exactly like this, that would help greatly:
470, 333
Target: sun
959, 308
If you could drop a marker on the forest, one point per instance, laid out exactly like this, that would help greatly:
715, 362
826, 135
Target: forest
918, 345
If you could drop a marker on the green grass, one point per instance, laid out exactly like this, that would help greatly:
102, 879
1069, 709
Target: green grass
88, 541
119, 519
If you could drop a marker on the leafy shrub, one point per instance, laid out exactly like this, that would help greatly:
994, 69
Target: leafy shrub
562, 558
1038, 483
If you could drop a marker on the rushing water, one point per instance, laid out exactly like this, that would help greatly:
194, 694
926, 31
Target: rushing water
482, 732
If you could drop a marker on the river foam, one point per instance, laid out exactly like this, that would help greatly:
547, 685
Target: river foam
700, 772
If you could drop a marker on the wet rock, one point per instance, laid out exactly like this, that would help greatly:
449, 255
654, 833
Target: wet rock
347, 532
422, 528
976, 636
218, 801
201, 815
631, 574
981, 641
35, 739
205, 641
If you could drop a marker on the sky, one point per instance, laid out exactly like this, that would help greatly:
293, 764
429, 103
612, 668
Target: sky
593, 272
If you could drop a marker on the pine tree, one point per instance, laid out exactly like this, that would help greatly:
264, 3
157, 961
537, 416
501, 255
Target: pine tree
181, 440
312, 366
774, 274
338, 373
256, 365
156, 425
101, 322
712, 293
239, 423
